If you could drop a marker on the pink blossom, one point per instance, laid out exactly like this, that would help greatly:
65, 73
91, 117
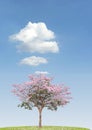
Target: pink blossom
40, 86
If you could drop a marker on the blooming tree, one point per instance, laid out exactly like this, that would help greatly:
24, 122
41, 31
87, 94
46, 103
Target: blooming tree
39, 92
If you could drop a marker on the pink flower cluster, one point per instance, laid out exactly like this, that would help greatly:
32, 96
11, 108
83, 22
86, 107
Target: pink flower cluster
59, 93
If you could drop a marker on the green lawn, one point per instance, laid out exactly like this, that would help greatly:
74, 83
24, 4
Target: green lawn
43, 128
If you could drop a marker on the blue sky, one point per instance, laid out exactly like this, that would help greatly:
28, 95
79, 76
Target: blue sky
70, 21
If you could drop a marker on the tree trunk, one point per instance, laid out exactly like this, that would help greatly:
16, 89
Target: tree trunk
40, 118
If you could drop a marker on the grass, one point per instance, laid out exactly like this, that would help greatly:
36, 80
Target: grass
43, 128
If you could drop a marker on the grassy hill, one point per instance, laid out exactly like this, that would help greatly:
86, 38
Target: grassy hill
43, 128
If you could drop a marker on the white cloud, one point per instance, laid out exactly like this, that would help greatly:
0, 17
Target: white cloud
33, 61
36, 37
41, 72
